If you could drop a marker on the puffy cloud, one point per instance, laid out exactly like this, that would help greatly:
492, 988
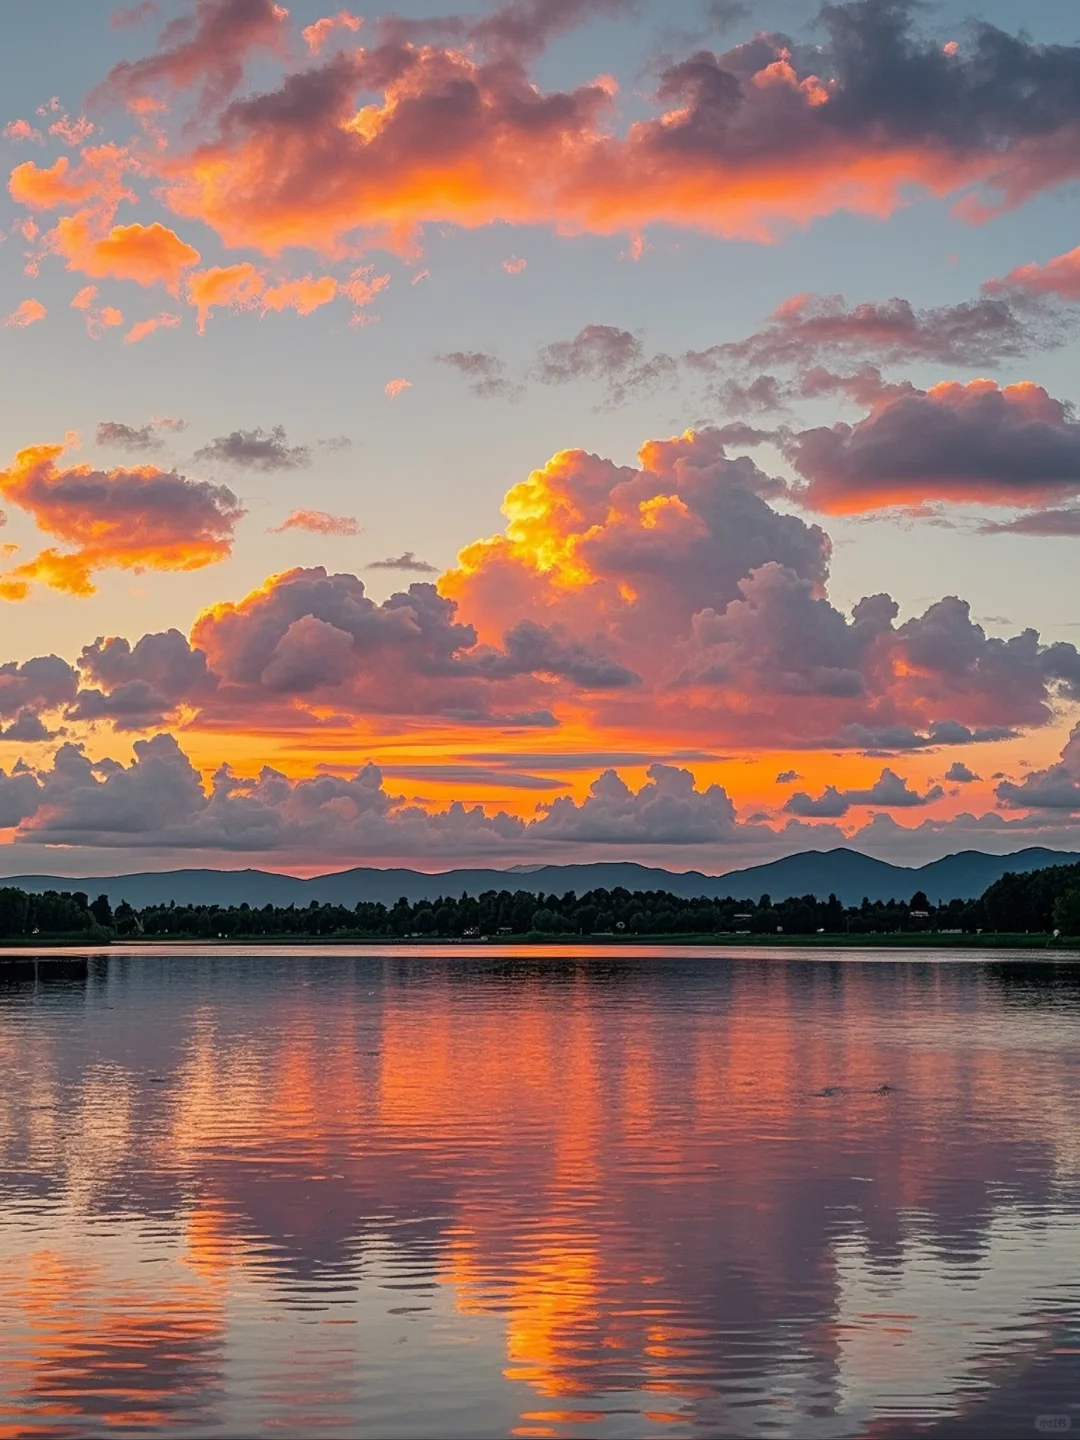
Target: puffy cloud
73, 132
788, 777
99, 318
960, 774
975, 443
142, 518
316, 35
743, 143
889, 791
96, 182
666, 810
18, 130
209, 48
1059, 276
144, 328
29, 312
485, 374
138, 686
256, 450
44, 683
115, 434
407, 561
318, 522
148, 254
393, 388
1056, 788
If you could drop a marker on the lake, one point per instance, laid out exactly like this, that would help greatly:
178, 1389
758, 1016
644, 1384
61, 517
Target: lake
457, 1193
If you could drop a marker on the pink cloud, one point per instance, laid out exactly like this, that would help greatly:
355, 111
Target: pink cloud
393, 388
28, 313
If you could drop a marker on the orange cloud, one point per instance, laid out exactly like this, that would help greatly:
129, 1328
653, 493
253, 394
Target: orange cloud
316, 35
147, 254
96, 180
144, 328
236, 286
303, 296
393, 388
18, 130
132, 519
28, 313
1059, 276
318, 522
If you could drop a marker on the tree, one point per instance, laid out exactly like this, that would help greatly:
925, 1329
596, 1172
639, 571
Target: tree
1067, 912
102, 911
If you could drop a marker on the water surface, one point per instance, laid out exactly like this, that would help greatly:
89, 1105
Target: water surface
474, 1193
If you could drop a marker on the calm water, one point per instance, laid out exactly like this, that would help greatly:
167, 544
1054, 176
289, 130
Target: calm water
491, 1195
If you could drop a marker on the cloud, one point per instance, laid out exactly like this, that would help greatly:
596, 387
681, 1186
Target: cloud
808, 328
977, 443
742, 144
1059, 276
1038, 522
144, 328
237, 286
1056, 788
29, 312
45, 683
137, 438
209, 49
316, 35
485, 374
405, 561
318, 522
256, 450
959, 773
99, 318
602, 352
304, 295
514, 265
889, 791
96, 182
393, 388
136, 687
19, 130
788, 777
147, 254
135, 519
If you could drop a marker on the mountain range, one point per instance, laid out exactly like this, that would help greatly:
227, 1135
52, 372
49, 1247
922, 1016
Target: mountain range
847, 874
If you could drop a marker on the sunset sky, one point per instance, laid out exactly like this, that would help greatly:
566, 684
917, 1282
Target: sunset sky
574, 429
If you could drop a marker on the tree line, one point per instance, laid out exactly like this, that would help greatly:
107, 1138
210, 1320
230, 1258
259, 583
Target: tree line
1040, 901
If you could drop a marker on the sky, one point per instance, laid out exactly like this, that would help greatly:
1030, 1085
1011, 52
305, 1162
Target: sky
561, 430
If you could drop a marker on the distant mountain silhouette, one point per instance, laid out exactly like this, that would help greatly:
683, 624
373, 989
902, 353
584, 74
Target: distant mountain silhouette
847, 874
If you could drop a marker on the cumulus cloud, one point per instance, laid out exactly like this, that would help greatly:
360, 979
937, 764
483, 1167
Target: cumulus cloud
960, 774
606, 353
318, 522
889, 791
237, 287
1055, 789
148, 254
132, 519
256, 450
135, 687
742, 143
975, 443
406, 561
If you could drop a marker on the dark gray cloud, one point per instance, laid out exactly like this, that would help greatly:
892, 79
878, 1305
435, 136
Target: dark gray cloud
889, 791
1040, 522
605, 353
406, 561
256, 450
486, 374
960, 774
151, 436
